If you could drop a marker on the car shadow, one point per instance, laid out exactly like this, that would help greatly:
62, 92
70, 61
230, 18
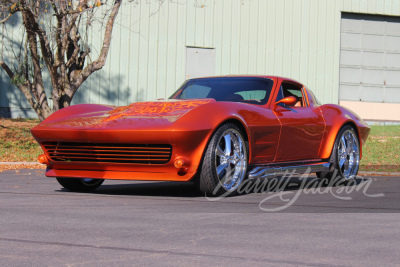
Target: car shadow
188, 190
157, 189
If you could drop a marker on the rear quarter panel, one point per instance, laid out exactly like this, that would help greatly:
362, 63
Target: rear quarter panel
336, 117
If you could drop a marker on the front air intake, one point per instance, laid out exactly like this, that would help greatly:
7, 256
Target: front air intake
108, 153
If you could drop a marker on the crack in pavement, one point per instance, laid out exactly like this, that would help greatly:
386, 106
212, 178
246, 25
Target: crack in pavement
178, 253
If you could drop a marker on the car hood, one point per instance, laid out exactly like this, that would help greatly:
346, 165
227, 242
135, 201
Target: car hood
171, 110
137, 115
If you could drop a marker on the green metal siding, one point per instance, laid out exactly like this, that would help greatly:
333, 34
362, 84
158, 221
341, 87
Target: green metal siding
299, 39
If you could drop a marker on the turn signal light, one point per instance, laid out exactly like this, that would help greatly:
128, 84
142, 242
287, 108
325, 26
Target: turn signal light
43, 159
182, 165
179, 163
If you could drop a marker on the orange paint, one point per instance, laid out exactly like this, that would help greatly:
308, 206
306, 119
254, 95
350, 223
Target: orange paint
118, 138
174, 109
43, 159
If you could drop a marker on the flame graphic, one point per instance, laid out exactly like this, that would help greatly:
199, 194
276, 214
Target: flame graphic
155, 109
149, 111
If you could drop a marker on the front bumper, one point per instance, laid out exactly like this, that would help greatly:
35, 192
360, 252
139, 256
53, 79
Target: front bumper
188, 145
121, 175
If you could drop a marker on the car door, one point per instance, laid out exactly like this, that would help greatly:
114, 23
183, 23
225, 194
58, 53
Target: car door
302, 125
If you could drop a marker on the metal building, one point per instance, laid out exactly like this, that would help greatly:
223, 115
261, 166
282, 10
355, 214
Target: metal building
346, 51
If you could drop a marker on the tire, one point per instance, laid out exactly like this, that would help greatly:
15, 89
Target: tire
345, 156
80, 184
224, 165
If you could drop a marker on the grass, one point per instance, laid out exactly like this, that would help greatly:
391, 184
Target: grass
380, 153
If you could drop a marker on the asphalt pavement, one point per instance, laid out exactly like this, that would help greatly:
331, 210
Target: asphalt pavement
296, 221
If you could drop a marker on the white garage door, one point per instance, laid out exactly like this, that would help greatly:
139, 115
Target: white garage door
370, 58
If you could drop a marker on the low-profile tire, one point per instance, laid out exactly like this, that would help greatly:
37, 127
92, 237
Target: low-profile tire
345, 156
224, 165
80, 184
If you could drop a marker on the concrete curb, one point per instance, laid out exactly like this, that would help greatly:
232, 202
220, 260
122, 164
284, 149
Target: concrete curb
379, 173
20, 163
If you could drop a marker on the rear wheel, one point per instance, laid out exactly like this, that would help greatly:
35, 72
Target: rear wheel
80, 184
225, 162
345, 156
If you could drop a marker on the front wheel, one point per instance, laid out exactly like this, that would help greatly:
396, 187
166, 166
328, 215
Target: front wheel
80, 184
345, 156
225, 162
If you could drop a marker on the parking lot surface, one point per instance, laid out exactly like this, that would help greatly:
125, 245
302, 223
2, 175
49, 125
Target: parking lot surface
126, 223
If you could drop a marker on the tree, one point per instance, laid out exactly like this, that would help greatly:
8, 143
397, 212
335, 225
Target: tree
53, 41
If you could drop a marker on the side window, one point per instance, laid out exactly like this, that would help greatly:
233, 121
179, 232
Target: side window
289, 89
294, 92
280, 94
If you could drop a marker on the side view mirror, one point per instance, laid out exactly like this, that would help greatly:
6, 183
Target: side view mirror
290, 101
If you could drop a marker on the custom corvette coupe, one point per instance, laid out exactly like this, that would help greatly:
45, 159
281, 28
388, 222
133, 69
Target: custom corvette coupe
215, 131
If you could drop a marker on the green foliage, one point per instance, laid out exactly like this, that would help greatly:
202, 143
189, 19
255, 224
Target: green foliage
17, 80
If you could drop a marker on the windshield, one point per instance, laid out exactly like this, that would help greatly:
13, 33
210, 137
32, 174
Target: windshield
234, 89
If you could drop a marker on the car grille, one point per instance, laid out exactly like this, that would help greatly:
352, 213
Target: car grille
108, 153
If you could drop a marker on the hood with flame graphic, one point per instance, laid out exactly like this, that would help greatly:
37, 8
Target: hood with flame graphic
171, 110
140, 113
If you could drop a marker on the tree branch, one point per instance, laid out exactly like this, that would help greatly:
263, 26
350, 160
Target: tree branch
62, 50
99, 63
25, 90
6, 18
37, 87
7, 69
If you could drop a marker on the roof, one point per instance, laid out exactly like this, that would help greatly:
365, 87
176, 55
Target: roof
248, 75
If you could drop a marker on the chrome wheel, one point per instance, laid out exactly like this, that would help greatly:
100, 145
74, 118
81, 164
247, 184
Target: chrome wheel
348, 154
231, 159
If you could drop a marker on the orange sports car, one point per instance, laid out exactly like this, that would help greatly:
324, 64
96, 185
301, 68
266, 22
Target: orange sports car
215, 131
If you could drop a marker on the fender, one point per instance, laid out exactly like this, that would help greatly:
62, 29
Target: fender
205, 118
260, 124
335, 118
